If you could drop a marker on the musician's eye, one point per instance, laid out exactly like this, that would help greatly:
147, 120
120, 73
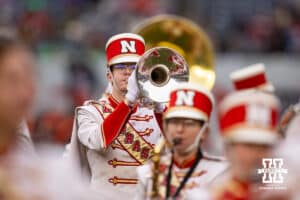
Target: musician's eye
173, 121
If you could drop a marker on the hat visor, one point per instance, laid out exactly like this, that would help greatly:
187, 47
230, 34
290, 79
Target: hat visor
124, 59
252, 136
184, 113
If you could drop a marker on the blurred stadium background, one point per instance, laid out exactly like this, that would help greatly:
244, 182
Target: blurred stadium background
68, 37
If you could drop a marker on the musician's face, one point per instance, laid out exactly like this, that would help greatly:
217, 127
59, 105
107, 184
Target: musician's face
119, 76
16, 86
183, 130
245, 159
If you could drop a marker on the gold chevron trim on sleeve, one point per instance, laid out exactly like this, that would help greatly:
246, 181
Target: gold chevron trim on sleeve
116, 180
146, 132
115, 162
141, 118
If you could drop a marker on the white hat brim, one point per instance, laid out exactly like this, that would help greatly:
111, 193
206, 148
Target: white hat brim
252, 136
185, 114
124, 59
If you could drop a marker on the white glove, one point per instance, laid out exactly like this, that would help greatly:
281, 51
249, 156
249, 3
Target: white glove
132, 88
159, 107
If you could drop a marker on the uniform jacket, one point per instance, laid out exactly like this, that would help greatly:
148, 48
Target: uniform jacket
109, 141
206, 172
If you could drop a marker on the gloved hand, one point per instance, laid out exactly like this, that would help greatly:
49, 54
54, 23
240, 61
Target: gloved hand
159, 107
133, 91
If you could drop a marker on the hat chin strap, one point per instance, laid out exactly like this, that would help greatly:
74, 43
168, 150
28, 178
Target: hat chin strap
196, 142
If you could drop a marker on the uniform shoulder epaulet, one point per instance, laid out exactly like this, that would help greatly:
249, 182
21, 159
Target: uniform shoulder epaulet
93, 101
214, 158
89, 102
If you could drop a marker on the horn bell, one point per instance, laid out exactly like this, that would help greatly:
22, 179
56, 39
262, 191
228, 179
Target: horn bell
158, 71
186, 38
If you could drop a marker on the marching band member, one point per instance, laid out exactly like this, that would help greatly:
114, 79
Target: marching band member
186, 167
17, 89
23, 175
115, 134
248, 122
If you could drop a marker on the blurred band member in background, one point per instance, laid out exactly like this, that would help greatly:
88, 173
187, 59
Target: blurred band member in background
248, 122
17, 93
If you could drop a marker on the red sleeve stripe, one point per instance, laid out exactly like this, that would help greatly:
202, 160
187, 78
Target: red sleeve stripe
114, 122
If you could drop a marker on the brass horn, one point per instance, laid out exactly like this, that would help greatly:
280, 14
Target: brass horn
158, 71
164, 34
185, 37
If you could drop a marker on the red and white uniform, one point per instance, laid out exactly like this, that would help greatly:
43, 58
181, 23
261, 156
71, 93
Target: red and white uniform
233, 189
115, 143
206, 172
187, 101
109, 138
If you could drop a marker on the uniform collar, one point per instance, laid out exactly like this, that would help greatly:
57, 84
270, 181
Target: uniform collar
114, 103
187, 163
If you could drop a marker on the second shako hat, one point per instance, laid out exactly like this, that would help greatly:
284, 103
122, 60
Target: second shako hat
249, 116
188, 100
251, 77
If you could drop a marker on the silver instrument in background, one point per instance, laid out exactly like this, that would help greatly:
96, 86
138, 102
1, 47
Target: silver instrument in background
158, 71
